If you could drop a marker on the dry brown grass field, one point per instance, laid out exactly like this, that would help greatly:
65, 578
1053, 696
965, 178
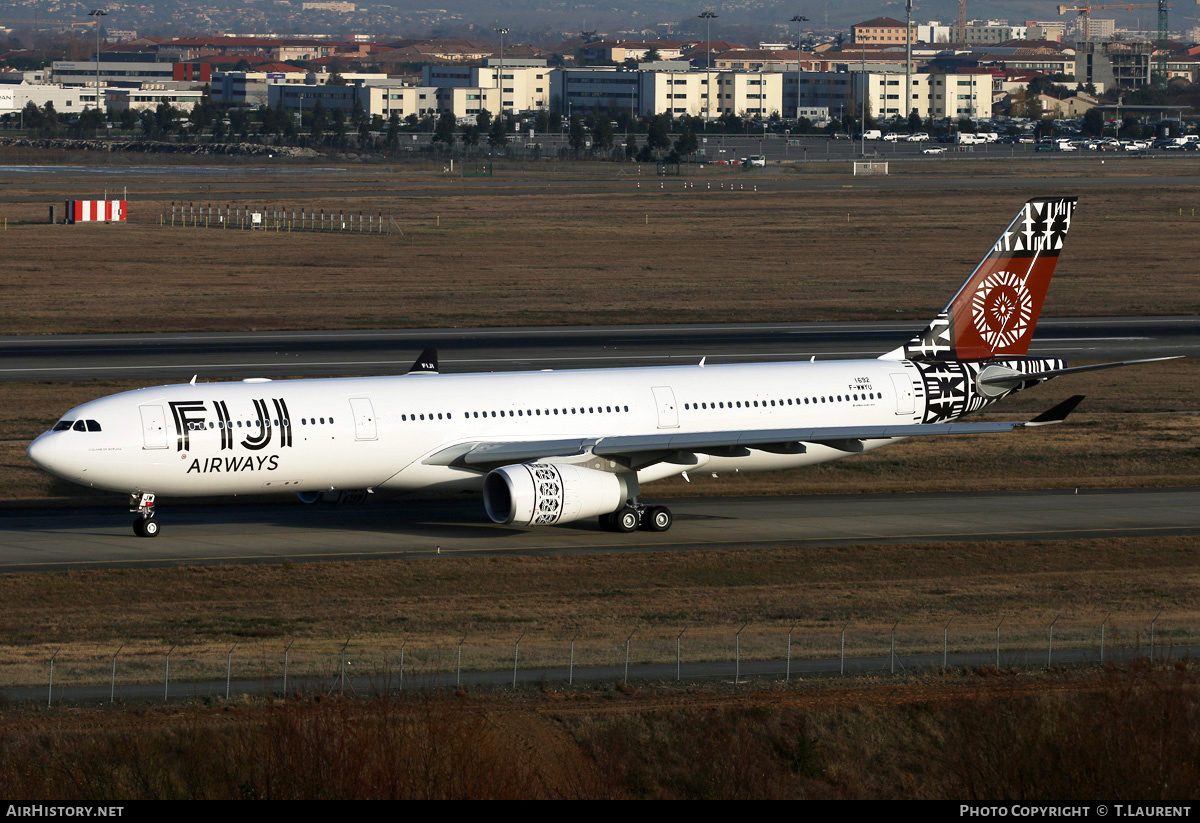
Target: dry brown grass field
432, 603
975, 737
565, 249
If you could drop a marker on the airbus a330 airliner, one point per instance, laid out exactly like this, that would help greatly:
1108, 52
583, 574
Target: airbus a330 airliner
555, 447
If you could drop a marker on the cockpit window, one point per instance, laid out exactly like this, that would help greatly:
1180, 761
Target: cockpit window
62, 425
93, 425
79, 426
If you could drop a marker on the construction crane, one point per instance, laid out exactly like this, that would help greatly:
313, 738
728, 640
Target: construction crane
1161, 79
72, 23
1085, 12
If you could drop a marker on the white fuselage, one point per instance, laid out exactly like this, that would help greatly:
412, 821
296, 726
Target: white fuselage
378, 432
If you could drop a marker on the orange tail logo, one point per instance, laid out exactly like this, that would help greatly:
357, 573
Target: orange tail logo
995, 311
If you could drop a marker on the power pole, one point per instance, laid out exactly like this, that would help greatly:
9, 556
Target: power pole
907, 59
798, 19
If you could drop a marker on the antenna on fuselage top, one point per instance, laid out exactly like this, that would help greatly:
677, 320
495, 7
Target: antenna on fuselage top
192, 382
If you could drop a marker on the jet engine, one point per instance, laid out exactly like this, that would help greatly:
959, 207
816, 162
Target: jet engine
542, 494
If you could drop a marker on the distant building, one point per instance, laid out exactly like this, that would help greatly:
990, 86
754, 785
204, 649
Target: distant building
525, 87
882, 31
344, 8
150, 99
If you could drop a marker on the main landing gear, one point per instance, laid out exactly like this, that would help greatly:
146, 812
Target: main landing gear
636, 516
144, 525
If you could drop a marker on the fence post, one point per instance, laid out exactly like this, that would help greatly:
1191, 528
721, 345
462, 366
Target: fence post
402, 645
167, 676
229, 668
1102, 623
571, 667
285, 666
342, 686
842, 670
894, 625
458, 670
1050, 645
1152, 624
946, 642
516, 654
998, 642
737, 654
112, 691
788, 671
627, 639
50, 694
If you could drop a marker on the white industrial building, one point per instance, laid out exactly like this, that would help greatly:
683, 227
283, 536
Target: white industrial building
15, 97
147, 99
526, 83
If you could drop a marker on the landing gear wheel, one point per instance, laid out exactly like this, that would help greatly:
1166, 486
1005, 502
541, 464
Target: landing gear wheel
606, 522
626, 520
145, 527
657, 519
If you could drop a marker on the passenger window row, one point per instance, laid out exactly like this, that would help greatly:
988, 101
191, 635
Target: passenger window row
474, 415
250, 424
748, 404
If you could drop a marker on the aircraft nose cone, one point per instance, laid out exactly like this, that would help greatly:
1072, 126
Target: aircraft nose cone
46, 453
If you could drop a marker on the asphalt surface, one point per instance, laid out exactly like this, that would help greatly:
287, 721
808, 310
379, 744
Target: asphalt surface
173, 357
40, 540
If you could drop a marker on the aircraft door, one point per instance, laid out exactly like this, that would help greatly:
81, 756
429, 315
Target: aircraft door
905, 398
668, 414
364, 419
154, 428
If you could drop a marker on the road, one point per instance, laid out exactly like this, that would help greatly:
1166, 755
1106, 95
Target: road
176, 357
41, 540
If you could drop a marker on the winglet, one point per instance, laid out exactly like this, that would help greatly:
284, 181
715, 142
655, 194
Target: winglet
1057, 414
426, 362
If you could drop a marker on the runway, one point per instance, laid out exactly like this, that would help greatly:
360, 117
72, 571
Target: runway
41, 540
173, 357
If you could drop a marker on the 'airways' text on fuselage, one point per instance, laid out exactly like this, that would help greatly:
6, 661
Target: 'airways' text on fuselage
191, 415
229, 465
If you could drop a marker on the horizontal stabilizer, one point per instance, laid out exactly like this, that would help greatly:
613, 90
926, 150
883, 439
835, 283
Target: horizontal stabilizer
1057, 414
1016, 379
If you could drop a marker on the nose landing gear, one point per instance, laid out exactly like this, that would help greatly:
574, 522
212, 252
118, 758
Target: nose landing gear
144, 525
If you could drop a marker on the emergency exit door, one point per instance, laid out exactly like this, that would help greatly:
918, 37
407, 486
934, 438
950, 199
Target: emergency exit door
154, 427
668, 414
364, 419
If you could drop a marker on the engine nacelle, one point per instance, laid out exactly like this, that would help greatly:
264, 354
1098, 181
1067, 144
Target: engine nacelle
542, 494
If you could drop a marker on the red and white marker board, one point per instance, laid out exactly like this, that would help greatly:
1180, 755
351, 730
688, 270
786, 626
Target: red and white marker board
95, 211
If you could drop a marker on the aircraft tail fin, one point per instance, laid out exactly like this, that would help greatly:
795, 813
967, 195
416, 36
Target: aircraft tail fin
994, 312
426, 362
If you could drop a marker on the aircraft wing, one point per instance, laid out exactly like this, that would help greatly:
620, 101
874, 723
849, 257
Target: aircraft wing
671, 446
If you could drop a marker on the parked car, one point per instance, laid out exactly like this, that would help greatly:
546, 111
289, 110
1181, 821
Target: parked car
917, 137
754, 160
893, 137
934, 150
